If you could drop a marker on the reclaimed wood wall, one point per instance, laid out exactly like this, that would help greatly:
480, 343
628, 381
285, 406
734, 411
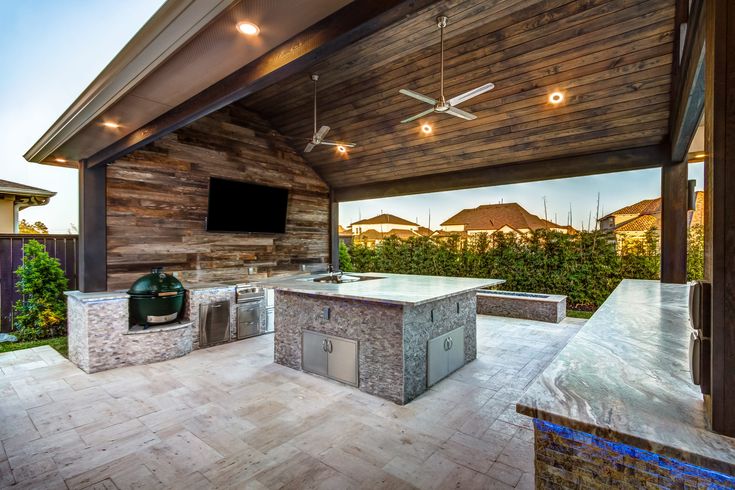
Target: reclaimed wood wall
157, 204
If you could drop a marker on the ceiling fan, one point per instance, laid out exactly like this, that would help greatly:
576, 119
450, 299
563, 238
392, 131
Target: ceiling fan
318, 136
443, 105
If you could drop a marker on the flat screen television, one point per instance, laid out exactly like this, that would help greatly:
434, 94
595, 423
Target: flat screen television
244, 207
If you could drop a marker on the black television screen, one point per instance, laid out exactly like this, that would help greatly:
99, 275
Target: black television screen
243, 207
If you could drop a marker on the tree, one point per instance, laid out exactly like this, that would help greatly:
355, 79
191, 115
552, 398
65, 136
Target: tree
695, 253
37, 228
41, 312
345, 261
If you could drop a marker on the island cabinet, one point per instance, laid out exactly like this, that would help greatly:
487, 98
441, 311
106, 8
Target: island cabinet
378, 334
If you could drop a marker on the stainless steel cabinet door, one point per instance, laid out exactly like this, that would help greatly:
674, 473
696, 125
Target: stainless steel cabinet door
249, 319
342, 364
445, 354
214, 323
314, 355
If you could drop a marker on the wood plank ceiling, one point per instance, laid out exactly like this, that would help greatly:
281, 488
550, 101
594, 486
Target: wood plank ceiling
611, 58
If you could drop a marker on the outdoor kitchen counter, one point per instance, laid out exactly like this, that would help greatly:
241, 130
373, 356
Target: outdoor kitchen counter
400, 289
625, 378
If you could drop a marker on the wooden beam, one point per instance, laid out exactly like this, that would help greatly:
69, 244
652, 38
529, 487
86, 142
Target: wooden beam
92, 265
674, 191
687, 102
333, 232
555, 168
353, 22
720, 209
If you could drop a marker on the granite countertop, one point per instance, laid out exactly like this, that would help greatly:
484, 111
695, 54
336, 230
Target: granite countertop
625, 377
402, 289
97, 296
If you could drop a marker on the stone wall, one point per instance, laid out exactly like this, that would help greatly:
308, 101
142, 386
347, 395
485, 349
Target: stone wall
419, 328
569, 459
376, 326
100, 338
550, 308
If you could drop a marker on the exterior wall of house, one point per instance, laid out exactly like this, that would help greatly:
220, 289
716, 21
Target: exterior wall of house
381, 228
452, 228
157, 204
7, 214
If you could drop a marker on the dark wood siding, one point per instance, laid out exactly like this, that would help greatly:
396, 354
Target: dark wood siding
157, 203
61, 247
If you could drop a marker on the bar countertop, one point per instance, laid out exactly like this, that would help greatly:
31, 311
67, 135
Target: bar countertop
402, 289
625, 377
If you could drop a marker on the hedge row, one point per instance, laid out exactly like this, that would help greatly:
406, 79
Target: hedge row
585, 267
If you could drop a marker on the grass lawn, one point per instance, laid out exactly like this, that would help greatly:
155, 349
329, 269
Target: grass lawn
58, 343
580, 314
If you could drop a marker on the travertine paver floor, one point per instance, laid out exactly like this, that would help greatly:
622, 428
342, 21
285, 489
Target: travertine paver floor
228, 417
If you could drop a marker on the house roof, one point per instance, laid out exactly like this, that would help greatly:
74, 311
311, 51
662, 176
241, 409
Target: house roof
495, 216
646, 206
641, 223
384, 218
14, 188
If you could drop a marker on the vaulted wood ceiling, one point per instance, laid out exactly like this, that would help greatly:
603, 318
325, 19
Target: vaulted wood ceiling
611, 58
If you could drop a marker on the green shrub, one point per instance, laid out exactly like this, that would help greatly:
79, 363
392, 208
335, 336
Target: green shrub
585, 267
695, 253
345, 262
41, 312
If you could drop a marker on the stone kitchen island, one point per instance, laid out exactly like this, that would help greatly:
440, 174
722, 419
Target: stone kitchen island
390, 335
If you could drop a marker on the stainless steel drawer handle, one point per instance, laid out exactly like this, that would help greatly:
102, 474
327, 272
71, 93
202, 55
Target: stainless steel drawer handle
216, 306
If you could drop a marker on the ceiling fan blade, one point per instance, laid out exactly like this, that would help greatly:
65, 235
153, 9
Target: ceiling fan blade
322, 132
309, 147
460, 113
337, 143
472, 93
420, 114
418, 96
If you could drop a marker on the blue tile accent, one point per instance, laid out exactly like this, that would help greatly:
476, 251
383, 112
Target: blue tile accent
678, 470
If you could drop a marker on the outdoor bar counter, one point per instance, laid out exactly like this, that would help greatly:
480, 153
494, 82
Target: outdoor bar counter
617, 406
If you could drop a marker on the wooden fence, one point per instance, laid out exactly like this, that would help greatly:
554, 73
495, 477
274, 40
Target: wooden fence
62, 247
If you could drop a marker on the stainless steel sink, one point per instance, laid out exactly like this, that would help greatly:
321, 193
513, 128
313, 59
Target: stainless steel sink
343, 278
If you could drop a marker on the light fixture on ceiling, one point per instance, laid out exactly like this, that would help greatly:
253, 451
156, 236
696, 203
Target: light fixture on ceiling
426, 128
60, 160
556, 98
111, 124
341, 149
248, 28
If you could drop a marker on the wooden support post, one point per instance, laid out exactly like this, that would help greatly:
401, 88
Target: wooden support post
720, 207
92, 264
674, 190
333, 231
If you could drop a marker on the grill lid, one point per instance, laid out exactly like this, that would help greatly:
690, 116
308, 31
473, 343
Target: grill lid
157, 283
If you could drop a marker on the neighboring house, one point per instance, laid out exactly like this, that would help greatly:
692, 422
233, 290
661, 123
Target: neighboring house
345, 235
493, 218
371, 231
633, 222
15, 197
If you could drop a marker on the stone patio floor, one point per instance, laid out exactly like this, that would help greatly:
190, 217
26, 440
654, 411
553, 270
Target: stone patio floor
228, 417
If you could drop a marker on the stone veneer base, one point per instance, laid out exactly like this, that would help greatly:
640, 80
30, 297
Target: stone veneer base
392, 338
570, 459
552, 308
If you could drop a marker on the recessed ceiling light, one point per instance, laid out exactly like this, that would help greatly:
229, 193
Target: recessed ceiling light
60, 160
110, 124
248, 28
556, 98
426, 128
341, 149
